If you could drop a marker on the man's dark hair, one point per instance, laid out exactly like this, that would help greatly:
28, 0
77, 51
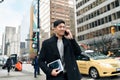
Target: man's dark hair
57, 22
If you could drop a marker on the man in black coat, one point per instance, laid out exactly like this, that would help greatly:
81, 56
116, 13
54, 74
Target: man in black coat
36, 66
9, 64
60, 46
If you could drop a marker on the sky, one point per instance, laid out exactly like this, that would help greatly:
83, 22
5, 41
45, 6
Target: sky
15, 13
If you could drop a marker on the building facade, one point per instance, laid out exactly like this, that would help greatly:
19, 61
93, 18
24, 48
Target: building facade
11, 41
0, 50
94, 20
51, 10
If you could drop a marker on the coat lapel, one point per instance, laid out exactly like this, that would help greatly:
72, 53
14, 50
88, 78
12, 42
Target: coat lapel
54, 45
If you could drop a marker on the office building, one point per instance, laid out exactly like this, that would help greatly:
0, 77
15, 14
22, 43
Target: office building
50, 10
11, 41
95, 19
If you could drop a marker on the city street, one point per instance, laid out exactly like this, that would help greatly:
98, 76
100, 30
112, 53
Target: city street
27, 74
86, 32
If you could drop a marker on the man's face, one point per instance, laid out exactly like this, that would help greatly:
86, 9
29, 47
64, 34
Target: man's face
60, 29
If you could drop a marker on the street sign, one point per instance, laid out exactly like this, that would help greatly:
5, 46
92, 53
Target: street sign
35, 30
28, 39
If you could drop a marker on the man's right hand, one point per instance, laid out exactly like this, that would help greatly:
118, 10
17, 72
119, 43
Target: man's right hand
55, 72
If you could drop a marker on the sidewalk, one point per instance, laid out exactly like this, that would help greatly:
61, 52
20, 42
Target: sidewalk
29, 68
19, 75
27, 73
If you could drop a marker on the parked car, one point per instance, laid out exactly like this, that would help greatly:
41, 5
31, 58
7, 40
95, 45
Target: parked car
3, 60
96, 64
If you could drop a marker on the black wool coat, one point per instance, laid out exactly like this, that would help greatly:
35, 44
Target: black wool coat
49, 52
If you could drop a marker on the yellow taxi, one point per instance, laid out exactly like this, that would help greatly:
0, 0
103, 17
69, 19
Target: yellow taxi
96, 64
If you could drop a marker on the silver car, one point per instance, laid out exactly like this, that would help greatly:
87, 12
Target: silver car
3, 60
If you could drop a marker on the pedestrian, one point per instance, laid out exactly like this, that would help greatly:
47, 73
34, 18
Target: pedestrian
60, 46
9, 64
18, 66
36, 67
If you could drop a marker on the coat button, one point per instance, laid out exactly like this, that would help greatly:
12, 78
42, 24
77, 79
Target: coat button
74, 68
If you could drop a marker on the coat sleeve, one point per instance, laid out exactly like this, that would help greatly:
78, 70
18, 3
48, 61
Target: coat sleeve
75, 47
42, 60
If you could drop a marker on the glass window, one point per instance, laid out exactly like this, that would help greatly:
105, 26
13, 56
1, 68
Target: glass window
98, 12
95, 13
106, 19
113, 16
91, 15
108, 7
93, 24
116, 3
112, 5
98, 22
118, 14
102, 21
81, 57
119, 28
109, 18
90, 25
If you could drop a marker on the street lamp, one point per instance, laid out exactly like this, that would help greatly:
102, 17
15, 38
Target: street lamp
1, 1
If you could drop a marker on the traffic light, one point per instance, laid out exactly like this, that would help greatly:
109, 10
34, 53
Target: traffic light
34, 45
113, 30
34, 39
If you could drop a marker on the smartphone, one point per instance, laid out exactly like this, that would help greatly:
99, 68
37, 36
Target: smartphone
66, 33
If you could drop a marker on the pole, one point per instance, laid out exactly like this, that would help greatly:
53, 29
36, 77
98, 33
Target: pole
38, 33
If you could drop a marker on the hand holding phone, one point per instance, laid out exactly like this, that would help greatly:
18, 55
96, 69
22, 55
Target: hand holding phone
68, 34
